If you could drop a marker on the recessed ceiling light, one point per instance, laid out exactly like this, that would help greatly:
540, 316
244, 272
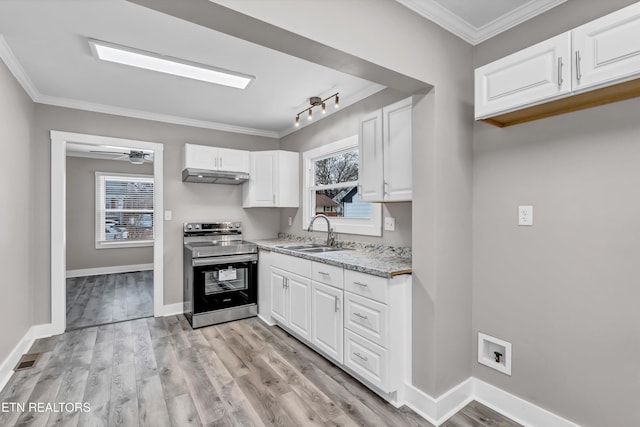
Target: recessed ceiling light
168, 65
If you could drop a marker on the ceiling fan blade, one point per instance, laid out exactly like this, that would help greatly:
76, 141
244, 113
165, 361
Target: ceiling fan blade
109, 152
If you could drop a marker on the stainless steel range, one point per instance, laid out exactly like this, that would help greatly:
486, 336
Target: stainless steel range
220, 273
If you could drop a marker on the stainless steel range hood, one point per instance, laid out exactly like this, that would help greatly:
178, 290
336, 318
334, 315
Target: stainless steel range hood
213, 177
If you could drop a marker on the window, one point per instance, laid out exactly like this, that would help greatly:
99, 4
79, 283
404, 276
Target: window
124, 210
331, 189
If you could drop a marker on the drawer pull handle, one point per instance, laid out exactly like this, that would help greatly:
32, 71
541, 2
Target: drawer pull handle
360, 316
323, 273
337, 306
361, 357
364, 285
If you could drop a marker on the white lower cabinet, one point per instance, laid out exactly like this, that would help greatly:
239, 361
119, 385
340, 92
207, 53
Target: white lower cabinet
366, 359
326, 315
291, 301
359, 321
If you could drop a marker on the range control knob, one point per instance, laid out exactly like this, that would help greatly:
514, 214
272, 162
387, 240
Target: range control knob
189, 226
197, 226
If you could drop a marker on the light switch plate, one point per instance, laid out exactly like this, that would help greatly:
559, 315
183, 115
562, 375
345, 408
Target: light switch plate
389, 223
168, 215
525, 215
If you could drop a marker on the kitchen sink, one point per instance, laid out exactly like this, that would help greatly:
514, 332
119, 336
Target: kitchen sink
310, 248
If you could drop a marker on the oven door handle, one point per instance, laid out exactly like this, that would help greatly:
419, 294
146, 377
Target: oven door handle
199, 262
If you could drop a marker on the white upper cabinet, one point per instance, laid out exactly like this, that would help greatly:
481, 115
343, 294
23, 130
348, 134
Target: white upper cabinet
385, 139
397, 140
370, 156
526, 77
602, 55
215, 158
233, 160
274, 180
607, 50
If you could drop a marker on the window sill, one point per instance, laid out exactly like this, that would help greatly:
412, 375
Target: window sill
123, 244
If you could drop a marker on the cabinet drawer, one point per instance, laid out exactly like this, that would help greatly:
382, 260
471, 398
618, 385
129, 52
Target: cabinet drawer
369, 286
327, 274
367, 318
292, 264
367, 359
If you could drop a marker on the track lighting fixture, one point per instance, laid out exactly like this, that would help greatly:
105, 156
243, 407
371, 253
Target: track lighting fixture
316, 101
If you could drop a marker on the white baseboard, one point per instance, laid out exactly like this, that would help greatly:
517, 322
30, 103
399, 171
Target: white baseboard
438, 410
172, 309
33, 333
108, 270
519, 410
267, 321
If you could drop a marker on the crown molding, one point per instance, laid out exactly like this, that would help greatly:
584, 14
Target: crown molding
7, 56
435, 12
145, 115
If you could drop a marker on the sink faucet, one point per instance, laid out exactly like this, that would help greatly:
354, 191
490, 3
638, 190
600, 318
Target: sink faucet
330, 236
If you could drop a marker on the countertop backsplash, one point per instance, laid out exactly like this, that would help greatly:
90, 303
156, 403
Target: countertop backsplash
369, 247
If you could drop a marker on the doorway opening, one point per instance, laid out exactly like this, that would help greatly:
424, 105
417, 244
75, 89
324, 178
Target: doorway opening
106, 230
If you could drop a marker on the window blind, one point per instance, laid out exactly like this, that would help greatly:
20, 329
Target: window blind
124, 208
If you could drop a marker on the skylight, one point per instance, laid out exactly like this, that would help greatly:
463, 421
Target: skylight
168, 65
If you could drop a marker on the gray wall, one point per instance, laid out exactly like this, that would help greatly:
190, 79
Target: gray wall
565, 291
17, 230
188, 201
395, 38
81, 216
341, 125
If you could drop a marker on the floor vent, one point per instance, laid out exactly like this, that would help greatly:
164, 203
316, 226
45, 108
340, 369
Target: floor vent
27, 361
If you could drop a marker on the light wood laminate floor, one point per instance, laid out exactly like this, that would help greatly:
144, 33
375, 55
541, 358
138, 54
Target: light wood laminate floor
160, 372
108, 298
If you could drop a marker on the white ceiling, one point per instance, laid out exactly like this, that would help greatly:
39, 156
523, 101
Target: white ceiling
44, 43
478, 20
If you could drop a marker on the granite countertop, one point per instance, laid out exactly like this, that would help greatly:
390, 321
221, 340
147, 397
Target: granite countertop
378, 260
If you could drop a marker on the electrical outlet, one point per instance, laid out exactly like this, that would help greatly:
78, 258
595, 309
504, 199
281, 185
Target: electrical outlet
290, 221
168, 215
525, 215
389, 223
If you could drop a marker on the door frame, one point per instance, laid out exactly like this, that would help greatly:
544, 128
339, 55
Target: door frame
59, 219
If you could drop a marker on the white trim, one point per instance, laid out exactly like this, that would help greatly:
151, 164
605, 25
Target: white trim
146, 115
7, 56
33, 333
82, 272
519, 410
58, 218
171, 310
438, 410
360, 226
440, 15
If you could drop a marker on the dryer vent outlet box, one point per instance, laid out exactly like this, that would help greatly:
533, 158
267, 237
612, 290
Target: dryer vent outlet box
494, 353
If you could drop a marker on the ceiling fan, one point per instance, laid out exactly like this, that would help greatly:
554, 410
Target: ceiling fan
136, 157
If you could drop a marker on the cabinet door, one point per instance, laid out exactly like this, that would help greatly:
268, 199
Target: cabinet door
263, 178
530, 76
326, 309
608, 49
397, 140
277, 288
200, 157
299, 289
371, 157
233, 160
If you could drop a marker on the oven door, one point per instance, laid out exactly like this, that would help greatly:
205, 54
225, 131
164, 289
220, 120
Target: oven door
224, 281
